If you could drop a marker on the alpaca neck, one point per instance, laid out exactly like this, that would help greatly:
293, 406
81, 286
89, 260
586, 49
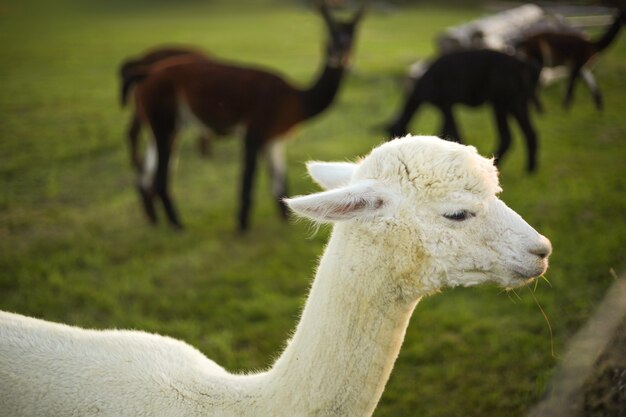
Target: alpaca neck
609, 36
348, 338
322, 93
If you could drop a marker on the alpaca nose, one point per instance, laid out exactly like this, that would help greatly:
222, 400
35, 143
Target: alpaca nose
543, 249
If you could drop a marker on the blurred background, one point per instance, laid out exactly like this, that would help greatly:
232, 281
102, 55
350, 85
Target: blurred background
75, 246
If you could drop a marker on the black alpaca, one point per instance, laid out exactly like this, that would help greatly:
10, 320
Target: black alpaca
474, 78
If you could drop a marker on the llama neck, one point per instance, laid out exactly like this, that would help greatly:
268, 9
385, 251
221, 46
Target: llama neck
609, 36
322, 93
348, 338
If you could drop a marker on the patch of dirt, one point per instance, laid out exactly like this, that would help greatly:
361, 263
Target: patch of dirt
605, 388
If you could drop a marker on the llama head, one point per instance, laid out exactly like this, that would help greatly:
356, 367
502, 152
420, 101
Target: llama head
431, 208
341, 35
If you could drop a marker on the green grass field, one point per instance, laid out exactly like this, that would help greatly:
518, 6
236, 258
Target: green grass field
75, 248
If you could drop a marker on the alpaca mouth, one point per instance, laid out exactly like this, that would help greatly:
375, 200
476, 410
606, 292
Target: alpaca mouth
520, 280
528, 275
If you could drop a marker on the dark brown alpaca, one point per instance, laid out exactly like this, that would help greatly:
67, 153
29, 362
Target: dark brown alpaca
221, 96
575, 50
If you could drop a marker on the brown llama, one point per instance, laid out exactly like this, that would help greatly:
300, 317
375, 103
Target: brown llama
221, 96
574, 50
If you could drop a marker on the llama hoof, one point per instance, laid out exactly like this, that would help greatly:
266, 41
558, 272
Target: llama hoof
283, 211
567, 105
179, 228
148, 207
243, 229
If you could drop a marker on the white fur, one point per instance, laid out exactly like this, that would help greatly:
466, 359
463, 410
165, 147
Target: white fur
278, 166
390, 246
495, 31
149, 165
330, 174
590, 80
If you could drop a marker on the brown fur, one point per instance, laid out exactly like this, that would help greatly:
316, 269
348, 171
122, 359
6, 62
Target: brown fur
572, 49
222, 96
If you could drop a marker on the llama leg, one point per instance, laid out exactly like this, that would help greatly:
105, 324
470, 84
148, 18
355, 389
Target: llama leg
399, 127
278, 174
504, 133
205, 140
536, 101
164, 132
571, 83
251, 149
523, 118
134, 129
591, 83
449, 130
145, 181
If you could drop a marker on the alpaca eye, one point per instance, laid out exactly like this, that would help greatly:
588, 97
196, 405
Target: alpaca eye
459, 216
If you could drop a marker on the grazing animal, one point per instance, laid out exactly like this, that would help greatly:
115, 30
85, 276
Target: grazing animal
138, 67
220, 96
473, 78
416, 215
574, 50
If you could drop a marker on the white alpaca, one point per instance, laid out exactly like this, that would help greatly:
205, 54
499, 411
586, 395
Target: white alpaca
416, 215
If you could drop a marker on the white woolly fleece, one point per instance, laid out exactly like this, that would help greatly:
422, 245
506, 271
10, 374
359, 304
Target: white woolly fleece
416, 215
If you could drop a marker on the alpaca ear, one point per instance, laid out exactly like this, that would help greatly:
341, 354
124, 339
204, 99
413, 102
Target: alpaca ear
331, 175
365, 199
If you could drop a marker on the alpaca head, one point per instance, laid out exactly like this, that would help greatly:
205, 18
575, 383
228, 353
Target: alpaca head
430, 207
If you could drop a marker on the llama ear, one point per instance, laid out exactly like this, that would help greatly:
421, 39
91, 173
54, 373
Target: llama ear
365, 199
331, 175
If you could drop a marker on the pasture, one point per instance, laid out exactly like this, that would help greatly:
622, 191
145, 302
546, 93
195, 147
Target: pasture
75, 247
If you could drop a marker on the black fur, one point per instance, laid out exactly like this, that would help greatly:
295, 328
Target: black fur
475, 78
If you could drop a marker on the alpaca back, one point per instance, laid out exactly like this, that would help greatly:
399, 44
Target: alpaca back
475, 77
53, 369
